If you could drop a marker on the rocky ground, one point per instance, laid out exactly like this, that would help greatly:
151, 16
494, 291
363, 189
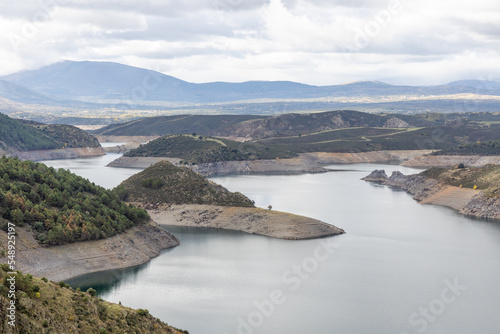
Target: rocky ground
281, 166
426, 190
63, 153
249, 220
133, 247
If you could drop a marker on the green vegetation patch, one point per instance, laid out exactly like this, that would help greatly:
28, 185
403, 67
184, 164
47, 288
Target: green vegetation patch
69, 135
166, 183
194, 149
60, 206
485, 178
42, 306
30, 136
491, 147
15, 135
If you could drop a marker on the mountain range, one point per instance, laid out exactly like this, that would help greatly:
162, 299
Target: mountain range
99, 85
104, 81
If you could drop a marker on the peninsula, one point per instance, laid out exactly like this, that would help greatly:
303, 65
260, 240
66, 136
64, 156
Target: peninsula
176, 195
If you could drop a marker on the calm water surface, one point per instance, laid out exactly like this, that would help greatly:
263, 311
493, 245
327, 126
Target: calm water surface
401, 268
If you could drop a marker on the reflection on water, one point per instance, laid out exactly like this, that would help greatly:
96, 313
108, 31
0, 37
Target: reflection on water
105, 281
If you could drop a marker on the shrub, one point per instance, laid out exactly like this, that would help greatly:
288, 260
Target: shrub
91, 292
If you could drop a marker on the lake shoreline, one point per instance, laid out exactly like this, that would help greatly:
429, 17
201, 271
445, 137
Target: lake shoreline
270, 223
305, 163
133, 247
466, 201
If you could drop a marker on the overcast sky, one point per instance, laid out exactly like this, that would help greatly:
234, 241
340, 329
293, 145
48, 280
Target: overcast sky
317, 42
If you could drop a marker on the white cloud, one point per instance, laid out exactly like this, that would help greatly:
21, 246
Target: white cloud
311, 41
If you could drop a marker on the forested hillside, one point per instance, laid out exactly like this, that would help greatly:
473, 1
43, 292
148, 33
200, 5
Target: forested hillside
60, 206
29, 136
15, 135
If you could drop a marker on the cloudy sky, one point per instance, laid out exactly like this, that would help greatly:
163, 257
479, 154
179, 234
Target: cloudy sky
311, 41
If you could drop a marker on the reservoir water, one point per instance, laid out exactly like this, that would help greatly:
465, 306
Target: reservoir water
401, 267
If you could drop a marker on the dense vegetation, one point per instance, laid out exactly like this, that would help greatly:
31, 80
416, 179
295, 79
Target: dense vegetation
42, 306
485, 178
491, 147
29, 136
194, 149
15, 135
60, 206
166, 183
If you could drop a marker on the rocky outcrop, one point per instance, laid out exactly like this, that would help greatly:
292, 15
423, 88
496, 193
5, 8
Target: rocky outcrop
281, 166
450, 160
130, 248
395, 122
63, 153
249, 220
425, 190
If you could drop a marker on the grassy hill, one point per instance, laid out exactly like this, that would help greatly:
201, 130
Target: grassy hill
166, 183
28, 136
196, 149
375, 139
60, 206
48, 307
485, 178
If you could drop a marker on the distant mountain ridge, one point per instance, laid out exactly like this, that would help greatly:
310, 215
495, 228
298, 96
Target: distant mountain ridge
105, 81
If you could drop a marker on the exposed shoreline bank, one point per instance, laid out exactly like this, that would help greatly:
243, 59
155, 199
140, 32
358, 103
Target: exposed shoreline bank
305, 163
259, 221
425, 190
133, 247
58, 154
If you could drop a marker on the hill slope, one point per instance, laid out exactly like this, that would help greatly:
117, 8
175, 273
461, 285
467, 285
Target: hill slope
60, 206
46, 307
166, 183
485, 178
198, 149
16, 135
255, 127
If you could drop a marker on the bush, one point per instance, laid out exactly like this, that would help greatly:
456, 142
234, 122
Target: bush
91, 292
142, 312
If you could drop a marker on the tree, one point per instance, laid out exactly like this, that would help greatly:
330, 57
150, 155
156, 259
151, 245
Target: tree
270, 207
